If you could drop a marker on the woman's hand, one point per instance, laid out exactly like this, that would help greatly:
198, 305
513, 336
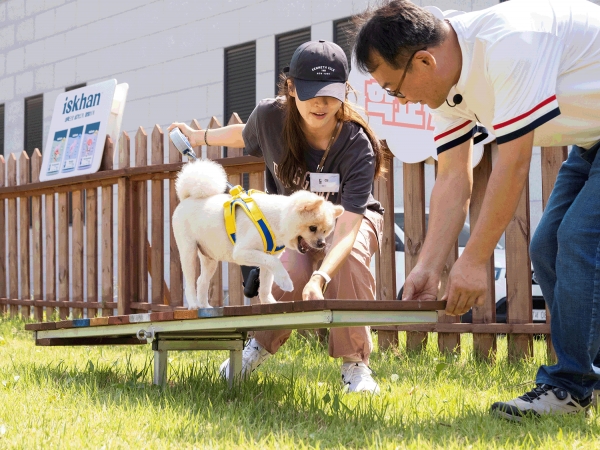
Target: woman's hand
196, 137
313, 289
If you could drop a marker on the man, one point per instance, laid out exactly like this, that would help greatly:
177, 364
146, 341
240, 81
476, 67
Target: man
527, 71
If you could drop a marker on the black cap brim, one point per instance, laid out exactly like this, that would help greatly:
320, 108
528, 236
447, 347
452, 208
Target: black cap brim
310, 89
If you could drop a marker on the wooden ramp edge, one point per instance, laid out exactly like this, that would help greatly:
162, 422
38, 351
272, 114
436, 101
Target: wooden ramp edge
235, 311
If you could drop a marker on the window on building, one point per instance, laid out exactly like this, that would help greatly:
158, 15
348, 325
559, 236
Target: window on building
285, 46
343, 35
2, 130
34, 123
240, 80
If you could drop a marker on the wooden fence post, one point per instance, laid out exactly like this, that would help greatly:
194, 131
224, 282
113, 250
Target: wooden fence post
107, 231
125, 248
447, 342
484, 344
385, 260
13, 256
552, 158
198, 150
24, 235
91, 232
236, 294
158, 226
50, 231
139, 226
36, 237
215, 293
518, 277
176, 275
414, 232
77, 250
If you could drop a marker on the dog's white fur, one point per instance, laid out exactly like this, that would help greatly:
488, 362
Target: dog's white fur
199, 228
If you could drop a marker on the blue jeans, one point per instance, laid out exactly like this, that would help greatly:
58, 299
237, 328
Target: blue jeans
565, 252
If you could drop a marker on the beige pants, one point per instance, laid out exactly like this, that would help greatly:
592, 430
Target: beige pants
353, 281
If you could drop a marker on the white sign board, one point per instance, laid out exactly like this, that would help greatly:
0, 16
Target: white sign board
408, 129
80, 122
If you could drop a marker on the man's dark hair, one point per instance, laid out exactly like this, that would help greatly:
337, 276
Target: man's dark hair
395, 30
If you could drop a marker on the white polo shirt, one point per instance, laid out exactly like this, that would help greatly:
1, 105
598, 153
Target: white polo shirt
527, 65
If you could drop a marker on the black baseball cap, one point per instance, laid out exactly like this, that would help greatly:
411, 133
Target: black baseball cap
319, 69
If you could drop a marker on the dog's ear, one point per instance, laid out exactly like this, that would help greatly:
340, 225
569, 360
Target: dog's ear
338, 210
309, 203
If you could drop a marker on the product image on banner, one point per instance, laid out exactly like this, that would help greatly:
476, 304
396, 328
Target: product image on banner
58, 146
89, 145
72, 149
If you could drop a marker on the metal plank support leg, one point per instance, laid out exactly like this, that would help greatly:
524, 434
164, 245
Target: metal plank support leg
160, 367
235, 367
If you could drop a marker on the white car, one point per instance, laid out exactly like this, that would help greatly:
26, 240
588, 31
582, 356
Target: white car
539, 312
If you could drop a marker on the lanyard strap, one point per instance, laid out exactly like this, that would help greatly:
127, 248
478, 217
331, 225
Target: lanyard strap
321, 165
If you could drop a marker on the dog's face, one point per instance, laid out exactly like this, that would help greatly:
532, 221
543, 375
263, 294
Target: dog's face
312, 219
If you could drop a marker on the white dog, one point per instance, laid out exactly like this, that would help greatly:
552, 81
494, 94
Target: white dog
299, 221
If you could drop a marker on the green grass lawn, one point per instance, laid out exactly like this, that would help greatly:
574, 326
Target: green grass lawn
102, 397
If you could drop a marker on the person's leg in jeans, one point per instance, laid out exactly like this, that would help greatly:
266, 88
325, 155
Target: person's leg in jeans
565, 252
575, 304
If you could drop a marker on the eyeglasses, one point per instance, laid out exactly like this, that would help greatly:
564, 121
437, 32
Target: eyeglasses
397, 92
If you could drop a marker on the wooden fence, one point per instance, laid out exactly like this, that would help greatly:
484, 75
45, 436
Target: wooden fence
67, 227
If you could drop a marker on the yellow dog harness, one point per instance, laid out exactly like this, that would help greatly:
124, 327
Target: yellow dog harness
243, 199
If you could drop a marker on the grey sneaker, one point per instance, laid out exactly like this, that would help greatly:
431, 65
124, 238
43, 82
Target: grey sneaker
357, 377
253, 356
543, 399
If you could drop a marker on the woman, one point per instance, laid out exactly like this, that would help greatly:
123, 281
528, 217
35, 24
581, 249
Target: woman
312, 138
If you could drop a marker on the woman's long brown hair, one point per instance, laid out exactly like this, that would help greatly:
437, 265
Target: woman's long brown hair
295, 142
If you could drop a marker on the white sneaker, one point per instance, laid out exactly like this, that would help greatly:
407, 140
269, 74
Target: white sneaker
544, 399
357, 377
253, 356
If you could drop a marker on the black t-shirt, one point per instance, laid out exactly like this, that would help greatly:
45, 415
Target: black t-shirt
351, 156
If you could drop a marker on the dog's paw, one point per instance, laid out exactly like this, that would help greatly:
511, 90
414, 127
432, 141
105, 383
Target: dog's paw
284, 282
268, 299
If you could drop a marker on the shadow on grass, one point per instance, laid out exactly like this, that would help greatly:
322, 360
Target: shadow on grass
292, 405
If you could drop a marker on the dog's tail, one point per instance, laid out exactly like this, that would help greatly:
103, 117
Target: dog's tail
200, 179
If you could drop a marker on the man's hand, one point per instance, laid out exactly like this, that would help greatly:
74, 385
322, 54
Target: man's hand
421, 285
313, 289
467, 284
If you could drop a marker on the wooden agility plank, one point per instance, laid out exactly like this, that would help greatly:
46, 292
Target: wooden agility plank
78, 323
139, 318
230, 311
205, 313
186, 314
40, 326
118, 320
384, 305
273, 308
162, 316
53, 342
64, 324
98, 321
